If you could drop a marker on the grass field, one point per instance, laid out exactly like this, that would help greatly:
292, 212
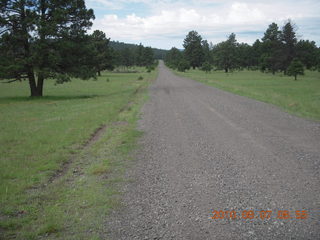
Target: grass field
55, 182
301, 97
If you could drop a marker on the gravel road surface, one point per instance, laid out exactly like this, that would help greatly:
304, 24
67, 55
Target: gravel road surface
207, 150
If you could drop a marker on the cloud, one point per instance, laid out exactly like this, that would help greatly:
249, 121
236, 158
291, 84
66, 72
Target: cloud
134, 27
213, 19
242, 13
173, 22
105, 3
117, 4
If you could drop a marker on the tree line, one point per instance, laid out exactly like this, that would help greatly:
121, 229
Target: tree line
41, 39
113, 54
278, 51
158, 53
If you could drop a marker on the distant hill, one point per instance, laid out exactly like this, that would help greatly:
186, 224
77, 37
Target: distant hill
158, 53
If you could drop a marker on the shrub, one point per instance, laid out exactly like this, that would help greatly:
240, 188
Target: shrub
183, 65
295, 68
207, 67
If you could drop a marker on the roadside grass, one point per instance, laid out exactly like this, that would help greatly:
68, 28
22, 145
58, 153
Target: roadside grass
301, 97
54, 183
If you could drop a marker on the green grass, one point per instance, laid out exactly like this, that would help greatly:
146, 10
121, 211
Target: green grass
40, 136
301, 97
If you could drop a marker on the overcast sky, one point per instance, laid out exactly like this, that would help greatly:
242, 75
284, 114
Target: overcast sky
165, 23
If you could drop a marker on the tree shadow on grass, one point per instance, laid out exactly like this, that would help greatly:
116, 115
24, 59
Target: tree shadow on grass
45, 98
18, 99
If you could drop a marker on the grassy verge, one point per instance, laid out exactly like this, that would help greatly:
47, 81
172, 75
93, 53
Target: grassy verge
54, 184
301, 97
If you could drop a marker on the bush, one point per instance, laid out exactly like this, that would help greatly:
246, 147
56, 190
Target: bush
207, 67
183, 65
150, 68
295, 68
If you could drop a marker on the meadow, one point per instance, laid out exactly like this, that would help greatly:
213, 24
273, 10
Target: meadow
62, 155
301, 97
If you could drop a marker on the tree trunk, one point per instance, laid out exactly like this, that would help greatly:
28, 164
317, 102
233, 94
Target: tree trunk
226, 70
32, 84
295, 77
40, 85
99, 73
32, 81
36, 88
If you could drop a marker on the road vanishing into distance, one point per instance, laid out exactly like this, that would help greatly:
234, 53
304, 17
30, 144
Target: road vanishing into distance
206, 150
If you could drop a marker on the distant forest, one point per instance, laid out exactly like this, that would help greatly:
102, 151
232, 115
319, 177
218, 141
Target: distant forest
157, 53
279, 50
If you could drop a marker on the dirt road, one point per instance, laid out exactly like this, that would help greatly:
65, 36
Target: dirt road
204, 150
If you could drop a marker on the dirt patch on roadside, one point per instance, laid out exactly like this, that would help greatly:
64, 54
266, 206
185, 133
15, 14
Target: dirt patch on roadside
95, 136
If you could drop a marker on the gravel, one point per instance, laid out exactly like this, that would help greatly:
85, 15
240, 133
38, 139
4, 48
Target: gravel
205, 149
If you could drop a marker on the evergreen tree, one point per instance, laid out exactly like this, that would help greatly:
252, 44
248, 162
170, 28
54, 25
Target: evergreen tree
295, 68
173, 58
306, 51
225, 53
183, 65
103, 58
244, 55
139, 55
127, 57
272, 57
206, 52
256, 53
317, 60
40, 37
289, 40
148, 56
193, 49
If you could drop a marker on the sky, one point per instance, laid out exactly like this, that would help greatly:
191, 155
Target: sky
165, 23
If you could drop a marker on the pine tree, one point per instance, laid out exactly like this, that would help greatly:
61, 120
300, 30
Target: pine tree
289, 40
206, 51
102, 59
256, 53
225, 53
148, 56
45, 38
127, 57
307, 51
139, 55
193, 49
173, 58
295, 68
272, 57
